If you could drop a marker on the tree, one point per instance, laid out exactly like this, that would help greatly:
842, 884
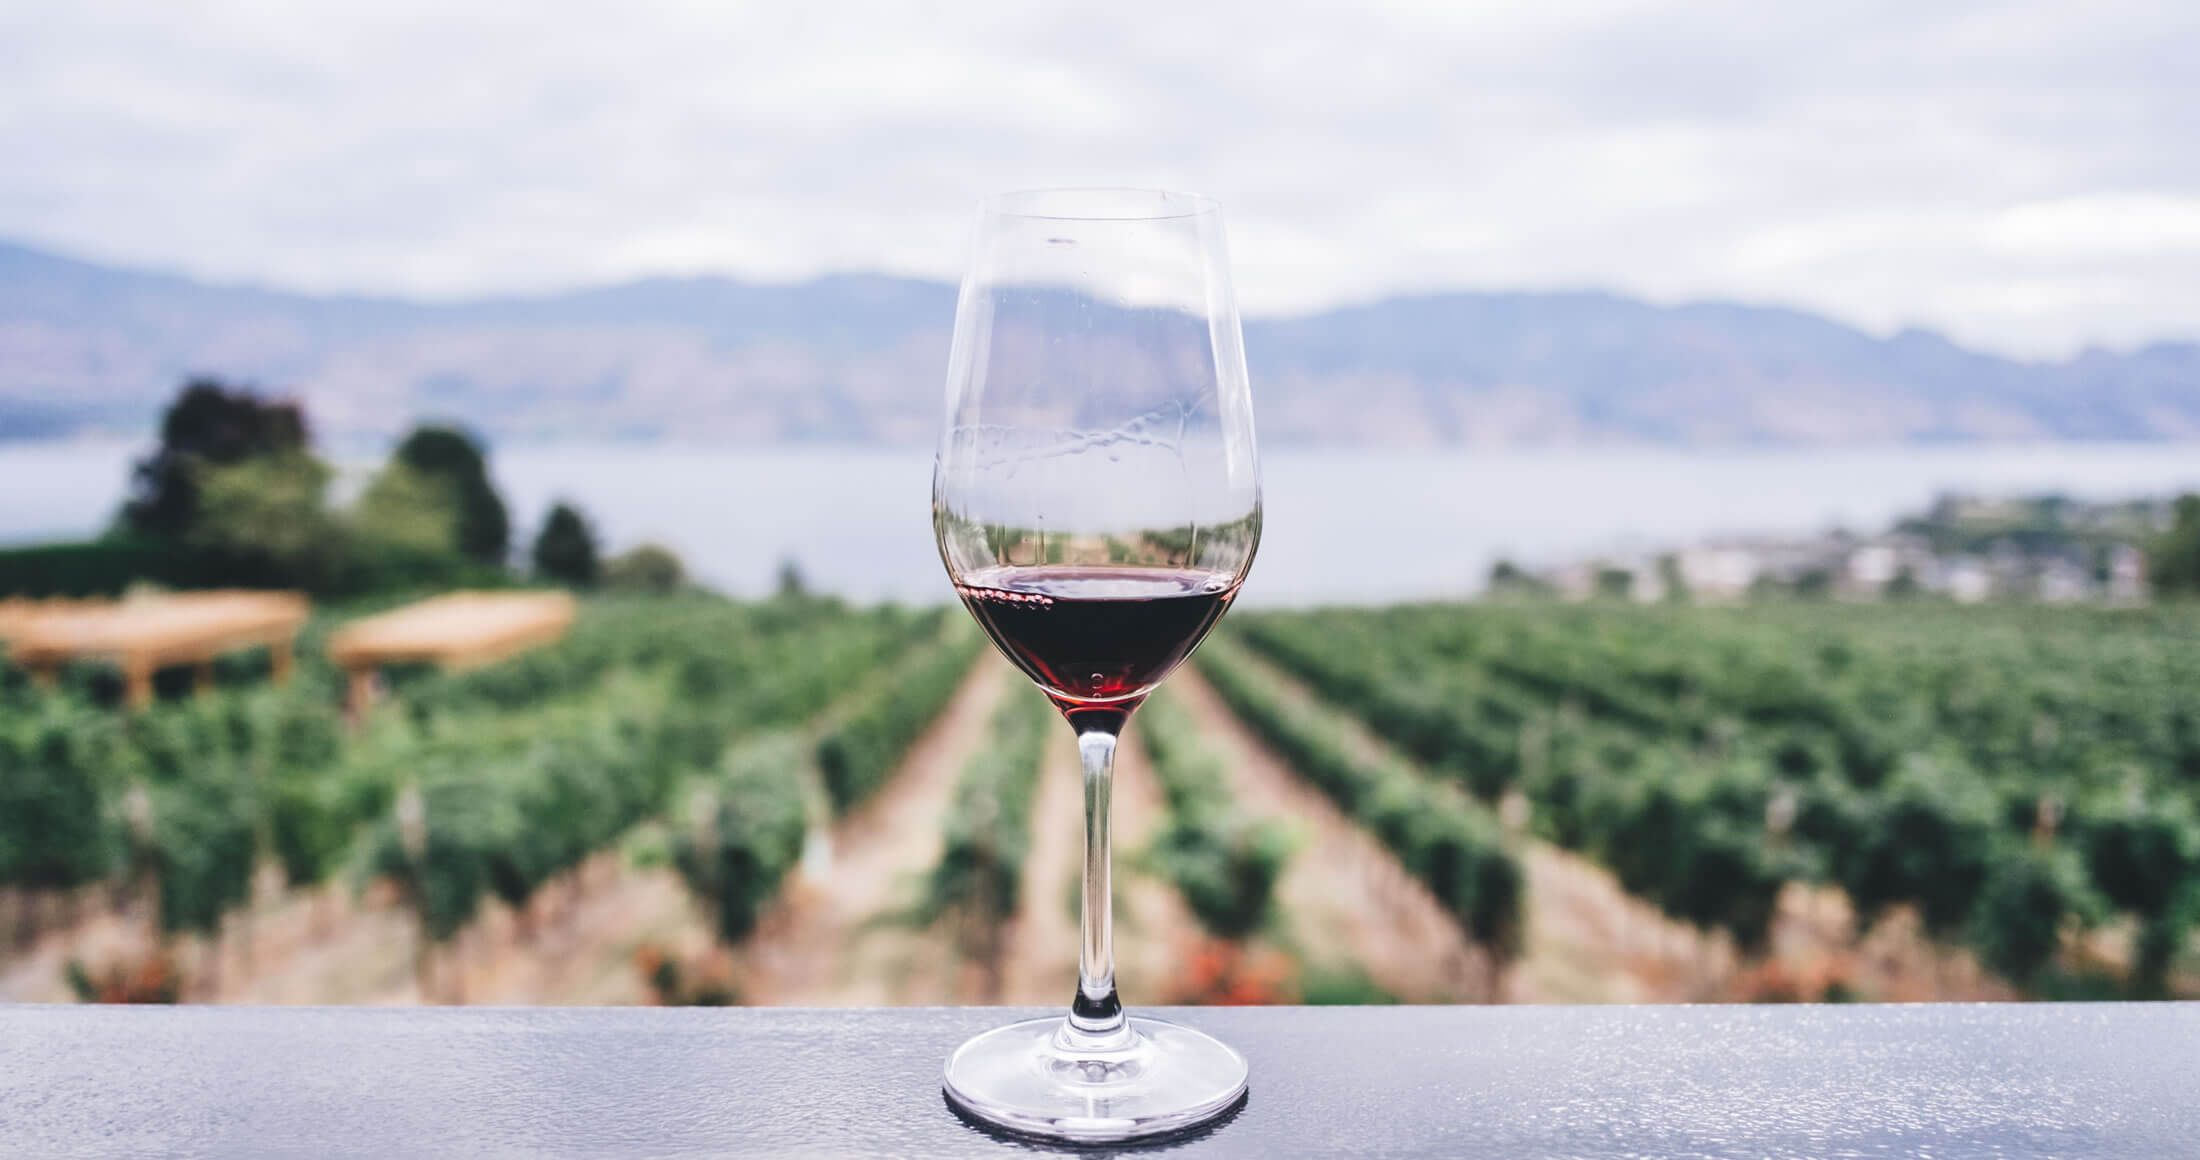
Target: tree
269, 513
2176, 562
1510, 579
565, 551
1674, 580
791, 584
648, 568
2018, 924
448, 455
210, 425
406, 509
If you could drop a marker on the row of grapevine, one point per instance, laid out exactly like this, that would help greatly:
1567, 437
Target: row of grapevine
1708, 756
974, 888
507, 818
183, 800
739, 833
470, 783
2010, 779
865, 747
1452, 845
1224, 864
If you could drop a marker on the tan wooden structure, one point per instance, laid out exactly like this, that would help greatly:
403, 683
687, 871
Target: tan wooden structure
144, 634
17, 612
458, 630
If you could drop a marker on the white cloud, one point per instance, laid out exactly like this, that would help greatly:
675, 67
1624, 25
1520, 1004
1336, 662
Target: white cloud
2018, 174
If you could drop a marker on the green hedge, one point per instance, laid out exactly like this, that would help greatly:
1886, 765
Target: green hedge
106, 567
1439, 834
102, 568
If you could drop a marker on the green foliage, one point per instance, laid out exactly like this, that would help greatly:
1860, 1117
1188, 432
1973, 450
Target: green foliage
1440, 836
201, 846
742, 831
2142, 857
478, 783
791, 583
234, 497
1914, 754
2022, 910
1225, 865
1928, 838
482, 530
210, 425
270, 511
1509, 579
865, 747
106, 567
406, 509
1342, 987
57, 829
2175, 560
565, 549
1691, 840
647, 568
975, 883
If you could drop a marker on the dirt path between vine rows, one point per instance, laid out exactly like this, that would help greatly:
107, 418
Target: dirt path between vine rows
578, 944
829, 941
1155, 933
1588, 939
1346, 901
1040, 966
1153, 930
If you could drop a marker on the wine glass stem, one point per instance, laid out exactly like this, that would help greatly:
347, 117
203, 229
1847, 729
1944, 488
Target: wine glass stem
1096, 1017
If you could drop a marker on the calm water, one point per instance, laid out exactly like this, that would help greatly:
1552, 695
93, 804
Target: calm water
1340, 526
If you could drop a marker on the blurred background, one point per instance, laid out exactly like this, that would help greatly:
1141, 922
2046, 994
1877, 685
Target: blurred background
464, 482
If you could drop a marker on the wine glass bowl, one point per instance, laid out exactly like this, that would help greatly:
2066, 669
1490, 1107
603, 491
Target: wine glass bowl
1097, 504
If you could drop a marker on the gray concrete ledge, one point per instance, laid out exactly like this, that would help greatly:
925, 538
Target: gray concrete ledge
2109, 1080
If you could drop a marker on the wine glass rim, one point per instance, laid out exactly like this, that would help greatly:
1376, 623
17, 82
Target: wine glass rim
1056, 203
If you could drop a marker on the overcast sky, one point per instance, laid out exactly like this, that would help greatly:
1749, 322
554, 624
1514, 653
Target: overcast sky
2025, 176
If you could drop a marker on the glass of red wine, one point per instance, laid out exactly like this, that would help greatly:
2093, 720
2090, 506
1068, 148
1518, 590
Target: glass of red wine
1097, 503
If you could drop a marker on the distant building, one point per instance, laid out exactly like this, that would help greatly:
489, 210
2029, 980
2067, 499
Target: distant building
1964, 548
2127, 574
1873, 566
2063, 582
1968, 580
1718, 572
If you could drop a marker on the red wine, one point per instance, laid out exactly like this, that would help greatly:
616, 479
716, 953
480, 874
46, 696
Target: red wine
1096, 636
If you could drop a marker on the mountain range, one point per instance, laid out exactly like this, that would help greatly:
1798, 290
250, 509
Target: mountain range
860, 358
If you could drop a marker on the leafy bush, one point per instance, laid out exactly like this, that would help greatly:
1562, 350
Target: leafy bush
1440, 836
1912, 754
988, 830
741, 832
865, 747
1225, 865
565, 549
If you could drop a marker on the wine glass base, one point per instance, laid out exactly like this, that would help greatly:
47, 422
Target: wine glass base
1027, 1079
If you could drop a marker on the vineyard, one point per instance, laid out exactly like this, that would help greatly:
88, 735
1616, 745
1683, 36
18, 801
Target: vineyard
489, 784
2022, 780
696, 800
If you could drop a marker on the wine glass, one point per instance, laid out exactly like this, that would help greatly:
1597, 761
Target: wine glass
1097, 504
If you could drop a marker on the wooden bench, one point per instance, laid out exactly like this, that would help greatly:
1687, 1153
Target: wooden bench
458, 630
144, 634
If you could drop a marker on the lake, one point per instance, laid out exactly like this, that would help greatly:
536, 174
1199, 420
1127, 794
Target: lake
1341, 526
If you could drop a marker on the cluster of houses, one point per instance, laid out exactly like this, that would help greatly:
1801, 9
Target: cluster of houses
1963, 549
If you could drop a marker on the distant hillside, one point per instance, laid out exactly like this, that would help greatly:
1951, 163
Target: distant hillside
860, 358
